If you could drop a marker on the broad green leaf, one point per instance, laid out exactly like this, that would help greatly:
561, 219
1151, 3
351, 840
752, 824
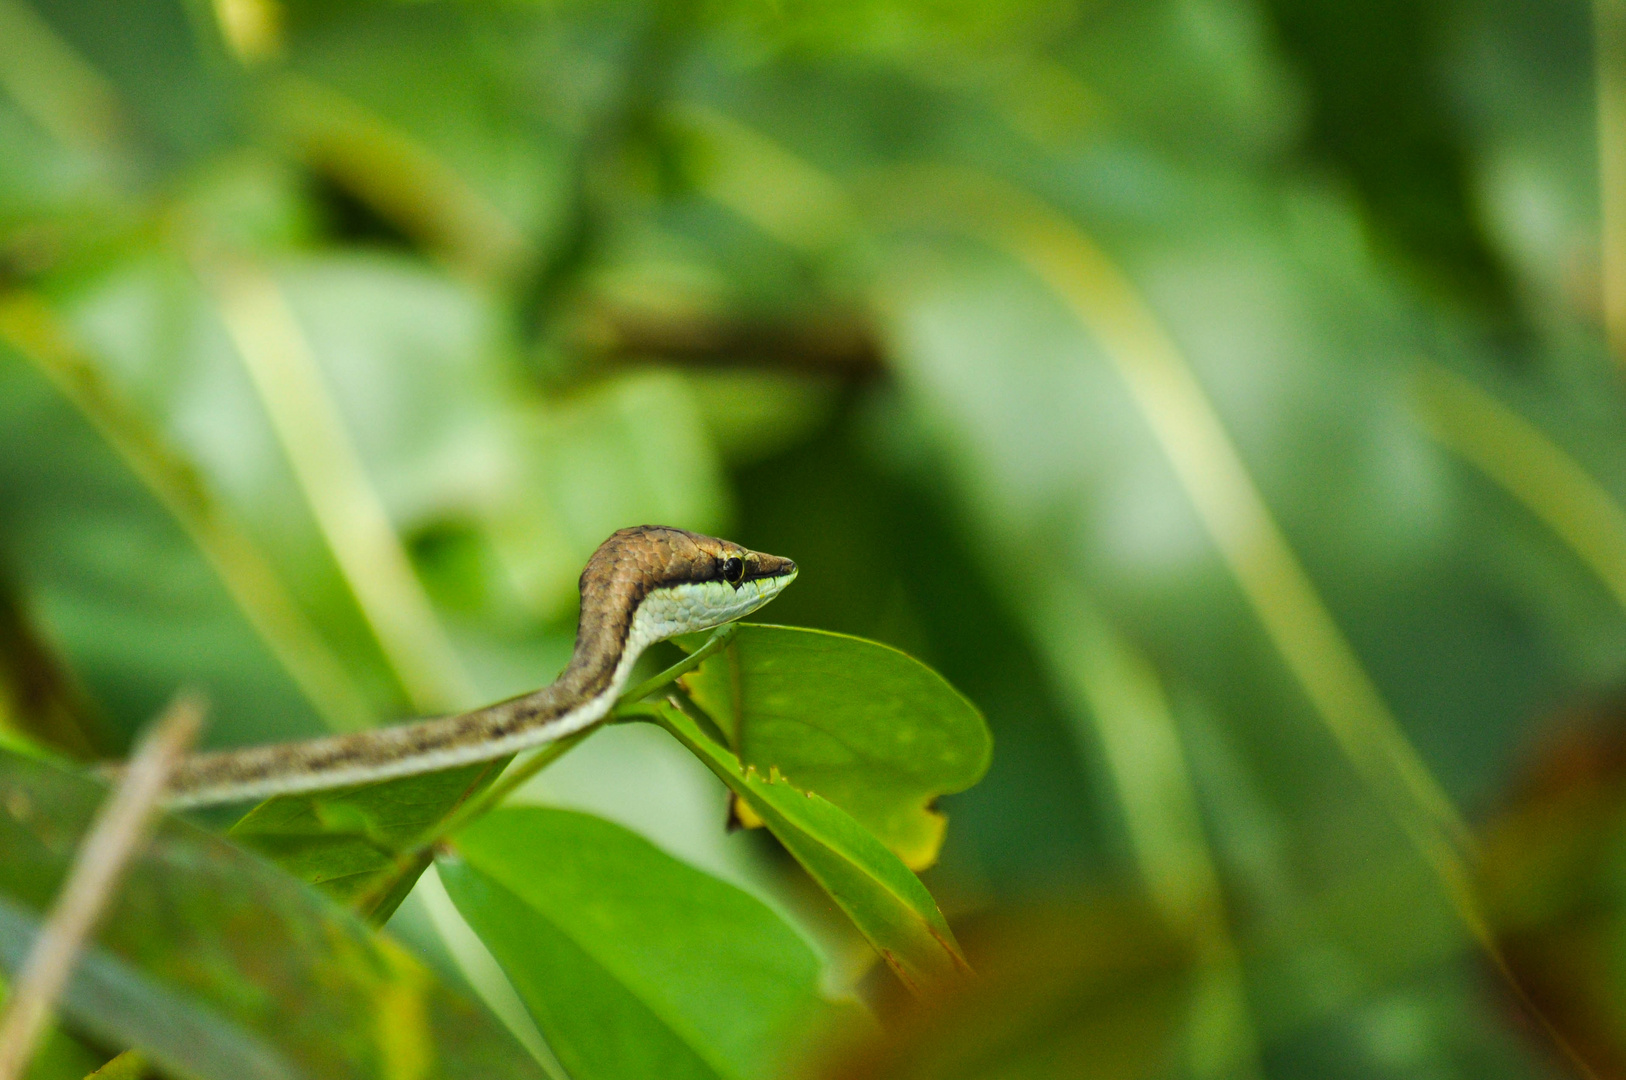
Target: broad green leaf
634, 964
871, 729
887, 903
357, 844
223, 967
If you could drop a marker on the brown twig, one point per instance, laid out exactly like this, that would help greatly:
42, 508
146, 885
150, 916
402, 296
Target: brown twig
120, 828
845, 348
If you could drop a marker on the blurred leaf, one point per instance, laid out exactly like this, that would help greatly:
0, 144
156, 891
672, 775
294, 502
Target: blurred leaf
130, 1065
63, 130
1011, 390
1524, 76
750, 415
399, 353
223, 967
431, 114
132, 602
1531, 467
37, 695
52, 84
334, 483
635, 965
62, 1058
1381, 111
180, 110
632, 449
1098, 991
403, 179
869, 728
1181, 415
360, 844
887, 903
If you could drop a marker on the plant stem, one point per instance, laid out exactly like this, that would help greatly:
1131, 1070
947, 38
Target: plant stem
719, 638
505, 785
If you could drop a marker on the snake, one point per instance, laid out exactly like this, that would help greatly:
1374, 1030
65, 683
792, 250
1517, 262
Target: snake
642, 585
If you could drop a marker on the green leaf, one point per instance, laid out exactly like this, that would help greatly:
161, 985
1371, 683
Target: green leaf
871, 729
633, 963
887, 903
59, 1056
359, 844
223, 967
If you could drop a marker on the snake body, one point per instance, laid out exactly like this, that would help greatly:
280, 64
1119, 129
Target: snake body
641, 586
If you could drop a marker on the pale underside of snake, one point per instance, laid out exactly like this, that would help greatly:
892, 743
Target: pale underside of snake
641, 586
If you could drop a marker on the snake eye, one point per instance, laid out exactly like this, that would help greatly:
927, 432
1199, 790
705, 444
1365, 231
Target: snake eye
733, 570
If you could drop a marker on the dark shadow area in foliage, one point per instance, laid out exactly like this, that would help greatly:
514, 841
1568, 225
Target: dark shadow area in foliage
1102, 983
348, 219
881, 559
1382, 114
38, 692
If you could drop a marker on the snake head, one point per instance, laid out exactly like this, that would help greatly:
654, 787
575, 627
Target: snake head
679, 582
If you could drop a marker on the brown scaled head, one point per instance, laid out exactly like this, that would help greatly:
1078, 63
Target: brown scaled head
656, 556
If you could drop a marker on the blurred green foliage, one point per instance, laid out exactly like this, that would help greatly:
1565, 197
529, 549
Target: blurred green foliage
326, 998
1216, 392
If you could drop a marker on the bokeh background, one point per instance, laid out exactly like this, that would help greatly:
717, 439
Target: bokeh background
1225, 394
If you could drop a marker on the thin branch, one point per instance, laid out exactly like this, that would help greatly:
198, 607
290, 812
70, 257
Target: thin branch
845, 348
120, 829
719, 639
496, 793
625, 706
547, 755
